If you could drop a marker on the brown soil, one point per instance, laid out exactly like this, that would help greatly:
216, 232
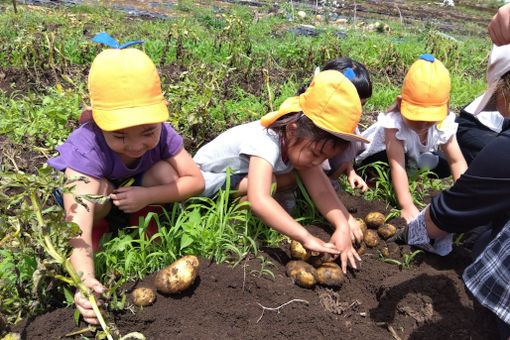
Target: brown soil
379, 301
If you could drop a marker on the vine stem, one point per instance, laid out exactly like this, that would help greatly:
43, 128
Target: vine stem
66, 263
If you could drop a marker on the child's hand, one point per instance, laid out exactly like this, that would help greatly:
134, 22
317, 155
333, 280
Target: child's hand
357, 182
356, 233
315, 244
83, 304
129, 199
342, 240
409, 213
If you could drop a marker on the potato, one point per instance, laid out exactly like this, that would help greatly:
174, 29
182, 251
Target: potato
362, 225
330, 274
178, 276
143, 296
316, 259
298, 252
386, 231
302, 273
374, 220
385, 251
371, 238
361, 248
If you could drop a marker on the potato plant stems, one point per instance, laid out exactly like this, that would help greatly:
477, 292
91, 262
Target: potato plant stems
75, 279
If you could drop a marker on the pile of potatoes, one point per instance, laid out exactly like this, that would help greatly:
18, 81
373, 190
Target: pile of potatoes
173, 279
309, 268
374, 228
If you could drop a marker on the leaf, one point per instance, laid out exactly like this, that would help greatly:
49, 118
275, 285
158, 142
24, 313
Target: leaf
69, 297
186, 240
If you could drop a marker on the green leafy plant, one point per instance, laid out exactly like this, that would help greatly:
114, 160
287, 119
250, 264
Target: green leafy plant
264, 270
44, 229
406, 259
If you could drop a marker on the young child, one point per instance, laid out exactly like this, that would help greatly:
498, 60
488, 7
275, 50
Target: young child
415, 128
304, 132
126, 138
342, 163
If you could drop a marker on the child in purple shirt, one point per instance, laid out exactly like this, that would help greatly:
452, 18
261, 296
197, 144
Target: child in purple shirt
126, 137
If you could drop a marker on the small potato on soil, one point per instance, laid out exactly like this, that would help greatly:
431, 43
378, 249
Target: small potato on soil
374, 220
143, 296
298, 252
361, 249
385, 251
302, 273
362, 225
386, 231
178, 276
330, 274
371, 238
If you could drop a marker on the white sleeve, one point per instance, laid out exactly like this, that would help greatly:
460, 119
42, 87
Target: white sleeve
446, 128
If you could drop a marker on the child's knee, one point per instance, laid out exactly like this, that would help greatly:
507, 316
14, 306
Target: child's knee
160, 173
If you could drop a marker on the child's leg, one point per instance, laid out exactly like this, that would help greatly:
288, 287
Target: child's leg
160, 173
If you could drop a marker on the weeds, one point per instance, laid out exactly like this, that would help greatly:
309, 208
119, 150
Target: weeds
264, 270
420, 183
406, 259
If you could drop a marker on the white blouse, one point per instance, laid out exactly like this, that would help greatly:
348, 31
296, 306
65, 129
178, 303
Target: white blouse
418, 154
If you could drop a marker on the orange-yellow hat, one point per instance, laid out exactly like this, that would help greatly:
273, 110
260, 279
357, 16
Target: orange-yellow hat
426, 90
331, 102
125, 90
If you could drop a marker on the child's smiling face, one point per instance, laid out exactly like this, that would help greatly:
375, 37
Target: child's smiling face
305, 154
131, 143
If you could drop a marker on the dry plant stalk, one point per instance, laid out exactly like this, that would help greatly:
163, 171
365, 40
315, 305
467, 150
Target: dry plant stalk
277, 309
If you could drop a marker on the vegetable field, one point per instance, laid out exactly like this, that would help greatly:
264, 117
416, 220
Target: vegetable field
222, 64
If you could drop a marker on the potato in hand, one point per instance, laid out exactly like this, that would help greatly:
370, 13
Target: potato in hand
298, 252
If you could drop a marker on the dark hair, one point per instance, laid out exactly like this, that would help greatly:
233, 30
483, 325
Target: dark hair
503, 88
306, 129
361, 81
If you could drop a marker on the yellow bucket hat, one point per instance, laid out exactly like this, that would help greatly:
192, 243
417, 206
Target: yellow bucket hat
125, 89
426, 90
331, 102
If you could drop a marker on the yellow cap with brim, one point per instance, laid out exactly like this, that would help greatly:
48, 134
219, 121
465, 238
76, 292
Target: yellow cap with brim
331, 102
125, 90
426, 90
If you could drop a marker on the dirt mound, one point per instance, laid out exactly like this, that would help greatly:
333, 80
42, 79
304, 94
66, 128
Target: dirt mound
379, 301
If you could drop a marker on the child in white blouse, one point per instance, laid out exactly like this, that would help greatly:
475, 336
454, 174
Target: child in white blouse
414, 131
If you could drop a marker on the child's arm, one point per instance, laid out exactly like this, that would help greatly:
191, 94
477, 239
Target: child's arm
396, 160
173, 180
260, 179
454, 156
82, 255
355, 181
322, 193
